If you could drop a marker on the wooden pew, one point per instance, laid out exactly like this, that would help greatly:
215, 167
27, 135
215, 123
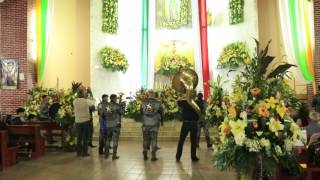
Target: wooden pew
51, 126
310, 171
32, 131
8, 154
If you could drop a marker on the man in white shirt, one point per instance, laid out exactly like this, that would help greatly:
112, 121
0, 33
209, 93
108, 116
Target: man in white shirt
82, 119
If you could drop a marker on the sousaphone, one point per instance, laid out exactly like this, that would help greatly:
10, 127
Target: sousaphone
185, 81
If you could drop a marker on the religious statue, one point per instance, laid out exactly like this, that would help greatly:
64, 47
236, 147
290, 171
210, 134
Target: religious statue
9, 73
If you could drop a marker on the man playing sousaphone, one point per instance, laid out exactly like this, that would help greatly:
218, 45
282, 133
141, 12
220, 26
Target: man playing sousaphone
185, 82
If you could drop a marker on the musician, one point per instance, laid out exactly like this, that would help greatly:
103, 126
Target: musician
152, 116
112, 113
190, 119
103, 125
202, 122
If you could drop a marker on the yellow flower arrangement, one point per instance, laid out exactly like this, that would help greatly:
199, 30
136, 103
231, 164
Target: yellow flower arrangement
257, 126
112, 59
234, 55
172, 63
167, 96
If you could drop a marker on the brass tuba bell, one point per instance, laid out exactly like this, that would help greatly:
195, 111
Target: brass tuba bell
185, 81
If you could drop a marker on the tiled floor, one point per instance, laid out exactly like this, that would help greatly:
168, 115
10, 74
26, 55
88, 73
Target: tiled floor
66, 166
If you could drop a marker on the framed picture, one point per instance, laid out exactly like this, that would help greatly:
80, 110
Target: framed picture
9, 73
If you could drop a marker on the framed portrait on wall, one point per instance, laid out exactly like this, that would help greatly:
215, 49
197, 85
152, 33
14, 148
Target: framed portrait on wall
9, 73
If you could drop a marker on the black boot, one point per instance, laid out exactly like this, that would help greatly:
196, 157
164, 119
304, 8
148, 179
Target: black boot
106, 153
145, 156
101, 150
195, 159
154, 157
114, 157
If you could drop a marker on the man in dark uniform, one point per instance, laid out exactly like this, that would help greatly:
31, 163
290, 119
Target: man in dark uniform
202, 122
112, 113
103, 125
189, 124
152, 115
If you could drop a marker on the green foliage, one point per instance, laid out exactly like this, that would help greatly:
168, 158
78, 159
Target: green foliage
236, 11
110, 16
170, 64
234, 55
112, 59
167, 17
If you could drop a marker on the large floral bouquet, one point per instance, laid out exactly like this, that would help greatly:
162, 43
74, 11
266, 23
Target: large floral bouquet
172, 63
217, 102
258, 134
65, 115
234, 55
133, 109
167, 96
112, 59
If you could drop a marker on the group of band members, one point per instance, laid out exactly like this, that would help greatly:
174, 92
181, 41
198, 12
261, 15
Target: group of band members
110, 113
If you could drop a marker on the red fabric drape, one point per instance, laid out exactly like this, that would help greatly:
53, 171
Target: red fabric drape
204, 45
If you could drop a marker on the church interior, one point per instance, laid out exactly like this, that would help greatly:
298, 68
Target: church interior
159, 89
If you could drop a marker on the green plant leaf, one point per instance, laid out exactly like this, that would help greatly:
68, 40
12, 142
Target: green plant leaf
280, 69
264, 63
265, 51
